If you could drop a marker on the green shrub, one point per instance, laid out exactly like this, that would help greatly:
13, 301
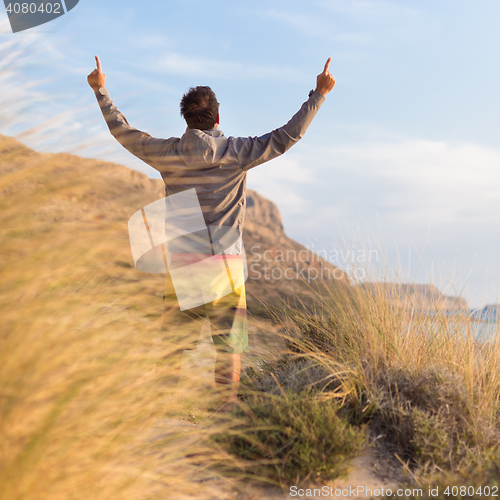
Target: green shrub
291, 438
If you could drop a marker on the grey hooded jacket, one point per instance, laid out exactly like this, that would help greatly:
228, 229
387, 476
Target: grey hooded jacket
215, 165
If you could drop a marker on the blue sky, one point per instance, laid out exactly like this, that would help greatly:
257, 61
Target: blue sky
404, 151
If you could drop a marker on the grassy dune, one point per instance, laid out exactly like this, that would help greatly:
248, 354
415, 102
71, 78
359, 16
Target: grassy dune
83, 413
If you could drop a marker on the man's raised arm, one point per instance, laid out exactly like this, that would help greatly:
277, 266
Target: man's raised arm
140, 144
253, 151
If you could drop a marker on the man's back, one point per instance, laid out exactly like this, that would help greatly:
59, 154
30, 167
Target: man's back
213, 164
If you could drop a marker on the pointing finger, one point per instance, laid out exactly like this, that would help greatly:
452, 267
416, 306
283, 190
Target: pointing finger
98, 62
326, 65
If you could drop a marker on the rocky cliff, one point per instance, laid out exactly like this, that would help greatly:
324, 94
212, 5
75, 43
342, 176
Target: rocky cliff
490, 312
279, 267
418, 296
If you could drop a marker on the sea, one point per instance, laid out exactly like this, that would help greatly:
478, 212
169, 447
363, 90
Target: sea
485, 323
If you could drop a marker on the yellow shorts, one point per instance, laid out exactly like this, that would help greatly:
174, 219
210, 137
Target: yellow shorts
227, 315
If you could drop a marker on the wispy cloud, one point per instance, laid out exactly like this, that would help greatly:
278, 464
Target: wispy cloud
18, 94
356, 25
317, 26
188, 65
372, 9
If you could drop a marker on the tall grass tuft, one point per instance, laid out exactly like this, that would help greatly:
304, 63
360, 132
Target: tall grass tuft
83, 413
420, 380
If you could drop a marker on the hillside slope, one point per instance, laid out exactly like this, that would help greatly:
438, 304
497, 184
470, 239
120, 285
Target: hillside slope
53, 202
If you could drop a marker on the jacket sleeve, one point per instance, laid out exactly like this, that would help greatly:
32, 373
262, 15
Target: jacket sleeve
252, 151
149, 149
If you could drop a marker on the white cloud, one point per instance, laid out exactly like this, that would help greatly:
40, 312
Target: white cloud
317, 26
427, 180
282, 181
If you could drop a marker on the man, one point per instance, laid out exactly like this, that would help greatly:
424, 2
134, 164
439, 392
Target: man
216, 167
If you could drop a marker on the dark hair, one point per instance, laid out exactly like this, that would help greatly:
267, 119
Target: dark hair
200, 108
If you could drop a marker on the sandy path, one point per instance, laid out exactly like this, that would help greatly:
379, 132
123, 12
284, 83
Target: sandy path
363, 481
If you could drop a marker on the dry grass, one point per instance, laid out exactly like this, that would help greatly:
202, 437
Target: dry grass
82, 411
424, 384
83, 414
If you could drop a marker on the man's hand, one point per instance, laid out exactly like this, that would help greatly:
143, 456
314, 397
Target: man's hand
325, 81
97, 78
